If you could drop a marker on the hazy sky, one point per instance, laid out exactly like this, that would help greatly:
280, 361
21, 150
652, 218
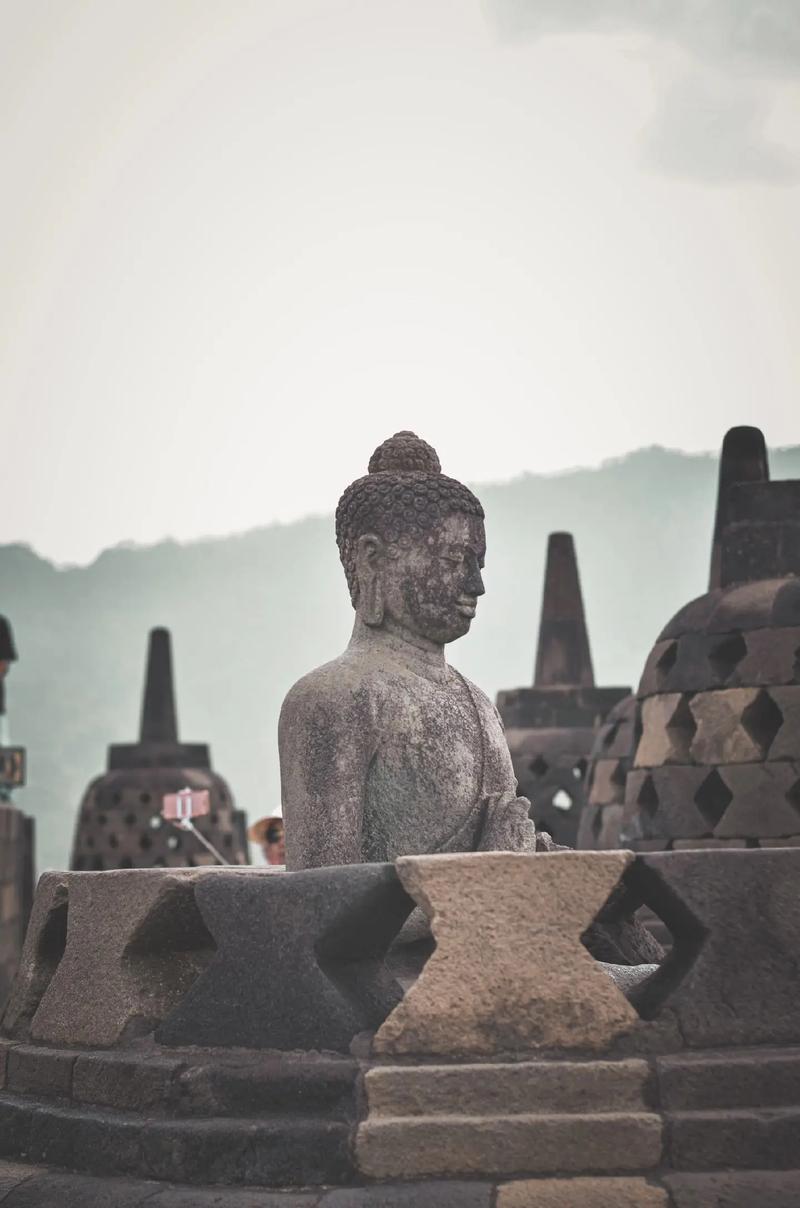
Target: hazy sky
242, 241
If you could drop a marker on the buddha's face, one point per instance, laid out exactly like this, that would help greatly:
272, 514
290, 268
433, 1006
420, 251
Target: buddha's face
430, 586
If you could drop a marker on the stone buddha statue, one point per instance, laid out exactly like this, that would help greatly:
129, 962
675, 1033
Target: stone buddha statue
388, 750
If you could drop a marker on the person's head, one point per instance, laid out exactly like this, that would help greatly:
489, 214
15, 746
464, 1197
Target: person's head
270, 835
412, 543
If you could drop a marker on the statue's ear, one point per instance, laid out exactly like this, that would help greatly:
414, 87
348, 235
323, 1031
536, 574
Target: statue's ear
370, 559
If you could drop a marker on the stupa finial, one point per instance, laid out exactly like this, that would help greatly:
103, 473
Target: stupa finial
563, 655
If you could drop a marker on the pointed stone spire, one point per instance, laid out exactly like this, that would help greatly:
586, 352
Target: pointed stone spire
159, 718
563, 656
743, 458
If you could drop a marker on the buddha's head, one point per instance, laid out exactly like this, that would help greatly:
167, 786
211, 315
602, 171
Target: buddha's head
412, 543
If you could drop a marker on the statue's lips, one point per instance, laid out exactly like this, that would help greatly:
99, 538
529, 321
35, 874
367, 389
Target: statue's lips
467, 608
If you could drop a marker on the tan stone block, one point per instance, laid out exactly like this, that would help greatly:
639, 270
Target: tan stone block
509, 973
581, 1193
606, 787
504, 1145
772, 656
721, 734
509, 1088
787, 740
667, 731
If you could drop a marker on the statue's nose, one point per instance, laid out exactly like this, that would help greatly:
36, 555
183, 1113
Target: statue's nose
475, 583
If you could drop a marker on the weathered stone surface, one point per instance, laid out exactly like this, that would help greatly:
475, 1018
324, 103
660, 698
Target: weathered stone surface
42, 951
771, 657
514, 1088
45, 1190
291, 1152
299, 960
276, 1083
722, 736
388, 750
505, 1145
751, 1138
535, 985
759, 1078
787, 741
760, 804
40, 1071
731, 978
667, 731
736, 1189
12, 1174
582, 1193
412, 1195
134, 945
663, 800
125, 1081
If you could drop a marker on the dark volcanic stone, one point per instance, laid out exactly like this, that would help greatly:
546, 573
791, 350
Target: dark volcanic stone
731, 978
752, 1139
736, 1189
299, 961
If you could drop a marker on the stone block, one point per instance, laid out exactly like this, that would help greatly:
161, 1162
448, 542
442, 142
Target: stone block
771, 658
605, 787
125, 946
786, 744
534, 984
277, 1153
667, 731
80, 1139
513, 1088
127, 1081
299, 960
760, 805
507, 1145
664, 800
790, 841
582, 1193
411, 1195
736, 1189
310, 1084
40, 1072
611, 822
228, 1197
750, 1139
44, 945
723, 734
758, 1078
735, 915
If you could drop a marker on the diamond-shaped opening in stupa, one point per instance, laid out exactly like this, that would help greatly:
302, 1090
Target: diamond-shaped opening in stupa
666, 662
762, 719
713, 798
726, 654
539, 766
647, 797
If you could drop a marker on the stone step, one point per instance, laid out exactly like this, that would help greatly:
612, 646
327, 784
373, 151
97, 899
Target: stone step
760, 1078
533, 1143
508, 1088
741, 1139
264, 1152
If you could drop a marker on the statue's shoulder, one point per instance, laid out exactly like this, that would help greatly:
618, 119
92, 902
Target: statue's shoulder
344, 686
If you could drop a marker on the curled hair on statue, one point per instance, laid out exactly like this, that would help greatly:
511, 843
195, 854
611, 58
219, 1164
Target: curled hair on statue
403, 496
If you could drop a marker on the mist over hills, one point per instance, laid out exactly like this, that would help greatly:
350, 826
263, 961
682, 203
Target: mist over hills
251, 613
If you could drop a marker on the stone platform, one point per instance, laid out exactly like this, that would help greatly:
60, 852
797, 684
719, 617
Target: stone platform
242, 1033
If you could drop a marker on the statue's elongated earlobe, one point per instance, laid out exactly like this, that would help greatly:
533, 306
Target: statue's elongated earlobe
369, 568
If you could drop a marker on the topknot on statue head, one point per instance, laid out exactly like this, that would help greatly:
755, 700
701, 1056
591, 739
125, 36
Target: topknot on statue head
402, 497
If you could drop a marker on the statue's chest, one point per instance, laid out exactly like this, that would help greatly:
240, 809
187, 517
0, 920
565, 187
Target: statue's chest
430, 769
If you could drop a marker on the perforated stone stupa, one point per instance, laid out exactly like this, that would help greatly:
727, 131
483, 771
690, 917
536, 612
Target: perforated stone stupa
718, 762
550, 727
119, 823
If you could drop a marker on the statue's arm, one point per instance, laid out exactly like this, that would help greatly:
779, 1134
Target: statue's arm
325, 741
